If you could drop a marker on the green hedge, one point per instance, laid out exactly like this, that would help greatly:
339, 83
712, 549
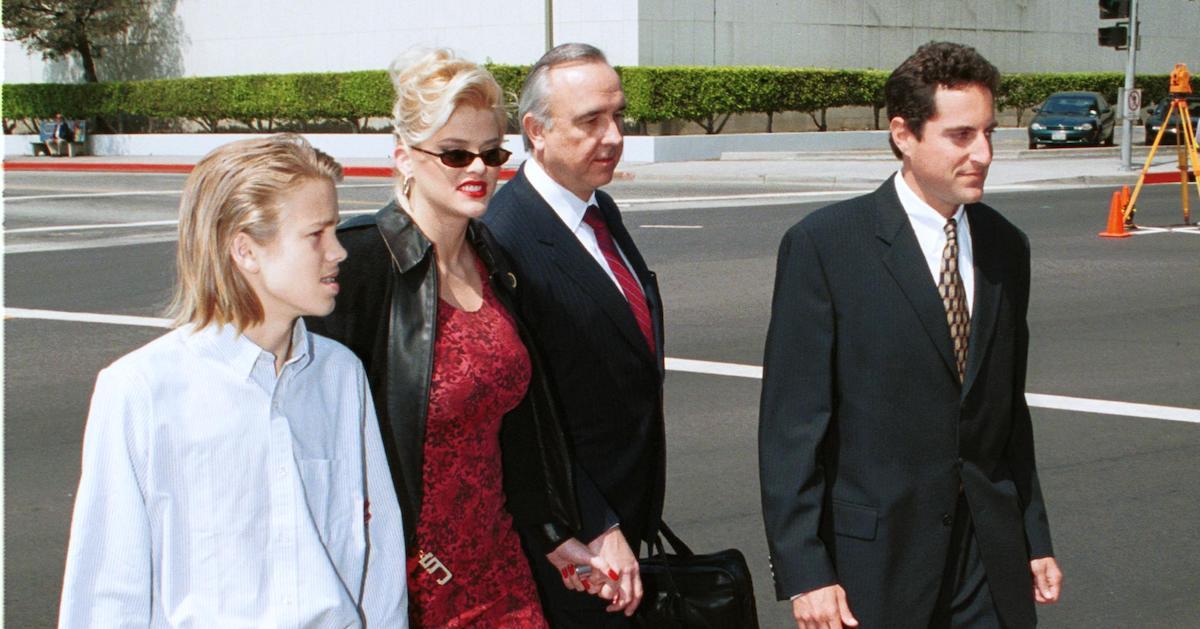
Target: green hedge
706, 95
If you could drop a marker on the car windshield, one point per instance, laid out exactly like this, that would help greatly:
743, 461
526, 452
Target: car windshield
1070, 105
1193, 107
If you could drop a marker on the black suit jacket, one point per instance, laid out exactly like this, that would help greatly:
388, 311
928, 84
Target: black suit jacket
64, 131
608, 384
865, 430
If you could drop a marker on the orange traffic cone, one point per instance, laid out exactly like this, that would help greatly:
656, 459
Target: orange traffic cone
1116, 218
1124, 204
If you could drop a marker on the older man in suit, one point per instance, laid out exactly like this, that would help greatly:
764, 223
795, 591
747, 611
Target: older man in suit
896, 450
596, 318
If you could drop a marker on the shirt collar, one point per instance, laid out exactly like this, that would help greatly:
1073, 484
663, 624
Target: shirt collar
919, 211
565, 204
225, 344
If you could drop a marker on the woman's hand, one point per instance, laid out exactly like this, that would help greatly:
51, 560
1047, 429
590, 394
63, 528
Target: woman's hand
583, 570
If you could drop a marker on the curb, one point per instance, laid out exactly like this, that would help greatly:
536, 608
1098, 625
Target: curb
141, 167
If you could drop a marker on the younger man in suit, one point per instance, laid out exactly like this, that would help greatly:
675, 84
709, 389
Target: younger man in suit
896, 451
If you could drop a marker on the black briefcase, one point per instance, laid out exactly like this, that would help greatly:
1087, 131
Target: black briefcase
683, 590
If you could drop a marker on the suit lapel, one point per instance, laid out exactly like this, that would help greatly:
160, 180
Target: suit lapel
904, 261
576, 263
987, 292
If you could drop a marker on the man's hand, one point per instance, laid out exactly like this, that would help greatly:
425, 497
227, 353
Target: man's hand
612, 547
1047, 580
824, 608
569, 556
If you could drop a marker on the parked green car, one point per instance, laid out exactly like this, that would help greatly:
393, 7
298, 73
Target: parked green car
1072, 118
1155, 120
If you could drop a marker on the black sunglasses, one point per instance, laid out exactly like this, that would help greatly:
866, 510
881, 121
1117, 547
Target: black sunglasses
461, 158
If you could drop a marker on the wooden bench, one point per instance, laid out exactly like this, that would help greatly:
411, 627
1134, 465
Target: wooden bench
79, 146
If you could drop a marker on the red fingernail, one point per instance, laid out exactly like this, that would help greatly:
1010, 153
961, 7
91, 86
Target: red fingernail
564, 573
612, 574
585, 583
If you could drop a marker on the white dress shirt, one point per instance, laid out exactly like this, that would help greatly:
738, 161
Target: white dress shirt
570, 209
217, 494
930, 228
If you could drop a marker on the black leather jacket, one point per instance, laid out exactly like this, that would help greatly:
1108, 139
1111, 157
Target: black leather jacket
387, 314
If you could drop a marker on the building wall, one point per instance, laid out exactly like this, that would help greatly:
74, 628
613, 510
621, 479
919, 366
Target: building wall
223, 37
1016, 35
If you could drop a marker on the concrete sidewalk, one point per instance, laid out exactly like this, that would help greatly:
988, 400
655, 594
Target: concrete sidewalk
850, 169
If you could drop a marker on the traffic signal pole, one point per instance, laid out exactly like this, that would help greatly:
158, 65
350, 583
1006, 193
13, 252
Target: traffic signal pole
1130, 68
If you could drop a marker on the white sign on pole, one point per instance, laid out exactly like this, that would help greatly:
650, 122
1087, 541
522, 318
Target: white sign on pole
1133, 104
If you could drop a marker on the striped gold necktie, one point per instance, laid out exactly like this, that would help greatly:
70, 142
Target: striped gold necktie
954, 298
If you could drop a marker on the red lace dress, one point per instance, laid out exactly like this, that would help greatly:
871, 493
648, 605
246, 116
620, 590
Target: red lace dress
480, 371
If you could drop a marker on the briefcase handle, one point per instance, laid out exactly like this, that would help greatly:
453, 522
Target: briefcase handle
677, 544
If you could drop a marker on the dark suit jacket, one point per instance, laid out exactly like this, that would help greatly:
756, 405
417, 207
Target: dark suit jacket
64, 131
865, 431
608, 384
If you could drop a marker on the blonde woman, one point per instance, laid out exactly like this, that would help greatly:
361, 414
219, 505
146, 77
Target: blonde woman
464, 407
233, 473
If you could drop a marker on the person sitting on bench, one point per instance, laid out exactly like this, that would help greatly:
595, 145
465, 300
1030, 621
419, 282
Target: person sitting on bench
63, 135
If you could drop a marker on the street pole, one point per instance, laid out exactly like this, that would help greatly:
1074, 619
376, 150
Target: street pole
549, 25
1130, 68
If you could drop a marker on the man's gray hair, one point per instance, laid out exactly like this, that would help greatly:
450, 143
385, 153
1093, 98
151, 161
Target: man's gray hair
535, 94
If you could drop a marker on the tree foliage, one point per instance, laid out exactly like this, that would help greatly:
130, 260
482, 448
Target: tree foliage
58, 28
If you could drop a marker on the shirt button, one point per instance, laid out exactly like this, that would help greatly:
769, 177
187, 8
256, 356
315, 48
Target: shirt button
947, 519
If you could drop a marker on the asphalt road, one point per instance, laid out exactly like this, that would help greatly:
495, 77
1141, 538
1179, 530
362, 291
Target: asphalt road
1110, 320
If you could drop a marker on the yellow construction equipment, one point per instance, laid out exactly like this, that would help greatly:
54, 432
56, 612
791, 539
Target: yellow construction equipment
1181, 86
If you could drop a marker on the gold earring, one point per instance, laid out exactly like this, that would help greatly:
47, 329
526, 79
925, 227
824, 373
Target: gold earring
406, 186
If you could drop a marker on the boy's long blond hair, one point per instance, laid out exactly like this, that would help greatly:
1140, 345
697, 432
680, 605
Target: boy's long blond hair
235, 188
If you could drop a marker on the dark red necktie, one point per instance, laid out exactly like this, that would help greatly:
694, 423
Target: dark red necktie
629, 284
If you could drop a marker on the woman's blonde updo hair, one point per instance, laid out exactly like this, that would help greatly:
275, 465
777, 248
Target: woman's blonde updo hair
430, 84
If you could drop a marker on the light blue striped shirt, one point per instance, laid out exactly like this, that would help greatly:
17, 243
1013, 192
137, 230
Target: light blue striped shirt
217, 494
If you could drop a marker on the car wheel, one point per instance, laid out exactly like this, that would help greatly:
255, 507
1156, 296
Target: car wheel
1148, 140
1032, 145
1109, 140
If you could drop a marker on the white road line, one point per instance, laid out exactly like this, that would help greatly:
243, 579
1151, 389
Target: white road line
1036, 400
717, 369
85, 317
89, 195
147, 193
736, 197
1106, 407
671, 226
69, 228
753, 372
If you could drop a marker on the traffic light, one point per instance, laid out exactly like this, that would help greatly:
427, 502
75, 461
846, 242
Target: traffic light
1114, 10
1114, 36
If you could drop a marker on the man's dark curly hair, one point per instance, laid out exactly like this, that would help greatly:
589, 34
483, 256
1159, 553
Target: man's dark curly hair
909, 91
